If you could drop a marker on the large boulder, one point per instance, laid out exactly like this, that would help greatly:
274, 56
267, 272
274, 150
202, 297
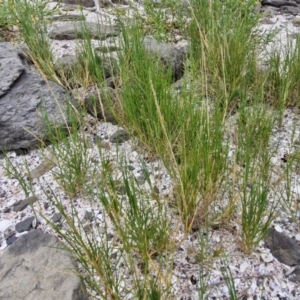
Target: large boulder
38, 266
25, 99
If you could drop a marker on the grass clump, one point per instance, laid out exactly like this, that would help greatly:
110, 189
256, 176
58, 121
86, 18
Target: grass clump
213, 137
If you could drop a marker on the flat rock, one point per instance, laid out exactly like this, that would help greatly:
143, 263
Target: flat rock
24, 225
74, 30
37, 266
65, 18
21, 205
279, 3
84, 3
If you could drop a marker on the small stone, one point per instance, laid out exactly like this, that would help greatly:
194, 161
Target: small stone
141, 179
24, 225
155, 190
88, 215
9, 232
46, 205
56, 217
21, 205
193, 280
6, 210
11, 239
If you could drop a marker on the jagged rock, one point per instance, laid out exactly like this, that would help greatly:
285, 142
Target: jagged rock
37, 266
77, 30
25, 99
168, 54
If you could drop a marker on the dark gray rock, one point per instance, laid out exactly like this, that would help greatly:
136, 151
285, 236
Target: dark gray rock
65, 18
169, 55
70, 63
6, 210
75, 30
21, 205
120, 136
37, 266
285, 249
123, 2
84, 3
88, 215
25, 100
278, 3
12, 67
11, 240
24, 225
105, 3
